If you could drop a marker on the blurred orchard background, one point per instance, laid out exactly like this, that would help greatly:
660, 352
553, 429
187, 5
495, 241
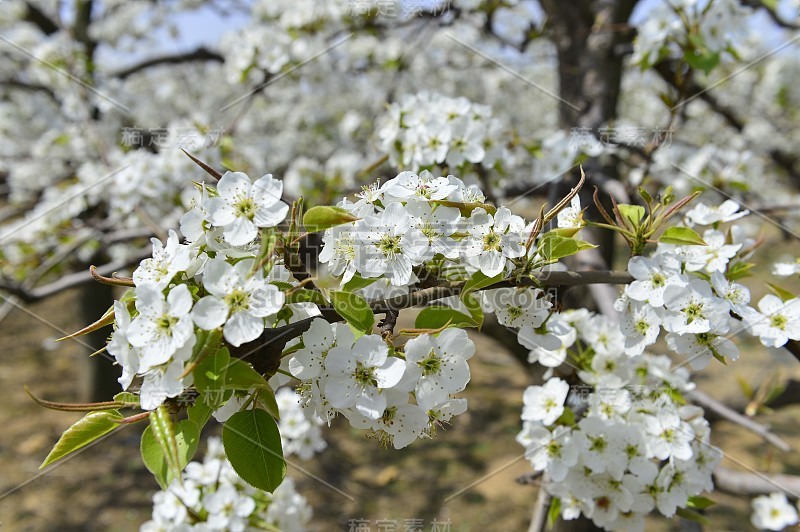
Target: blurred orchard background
99, 98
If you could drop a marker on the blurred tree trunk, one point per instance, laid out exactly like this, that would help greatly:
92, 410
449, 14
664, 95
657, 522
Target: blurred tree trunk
99, 374
592, 38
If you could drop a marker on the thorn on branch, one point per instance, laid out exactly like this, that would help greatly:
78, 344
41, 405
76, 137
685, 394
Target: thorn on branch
210, 171
113, 280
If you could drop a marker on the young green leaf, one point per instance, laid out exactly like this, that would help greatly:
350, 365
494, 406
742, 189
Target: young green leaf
473, 305
437, 317
681, 236
692, 515
187, 438
253, 446
479, 281
209, 377
700, 503
354, 309
782, 293
553, 512
163, 431
634, 213
85, 431
324, 217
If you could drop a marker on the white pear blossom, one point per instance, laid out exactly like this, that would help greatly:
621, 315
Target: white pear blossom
166, 261
358, 374
422, 187
773, 512
239, 301
518, 307
694, 309
318, 340
162, 326
777, 322
494, 239
641, 325
438, 364
243, 206
119, 347
551, 451
652, 275
545, 403
571, 217
386, 247
702, 214
701, 347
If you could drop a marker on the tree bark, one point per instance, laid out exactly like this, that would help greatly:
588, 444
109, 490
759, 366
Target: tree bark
100, 374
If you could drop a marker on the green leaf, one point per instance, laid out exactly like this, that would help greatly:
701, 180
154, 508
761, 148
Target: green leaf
163, 431
467, 208
305, 295
209, 377
436, 317
567, 418
473, 305
692, 515
704, 60
554, 246
240, 376
266, 398
739, 270
358, 282
128, 398
85, 431
324, 217
200, 413
354, 309
553, 512
187, 438
634, 213
782, 293
700, 503
479, 281
253, 446
681, 236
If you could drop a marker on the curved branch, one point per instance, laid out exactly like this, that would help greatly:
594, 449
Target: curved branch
201, 54
40, 19
773, 14
73, 279
265, 352
725, 412
749, 484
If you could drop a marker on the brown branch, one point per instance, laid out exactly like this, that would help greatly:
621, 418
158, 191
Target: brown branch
265, 352
776, 18
71, 280
749, 484
667, 70
40, 19
201, 54
729, 414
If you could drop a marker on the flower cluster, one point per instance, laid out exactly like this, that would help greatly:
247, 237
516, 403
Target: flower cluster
425, 129
211, 496
407, 221
705, 30
372, 386
202, 285
636, 449
689, 291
